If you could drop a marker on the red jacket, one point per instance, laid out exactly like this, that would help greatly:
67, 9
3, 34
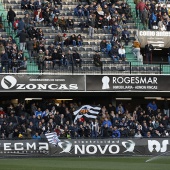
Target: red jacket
141, 6
36, 13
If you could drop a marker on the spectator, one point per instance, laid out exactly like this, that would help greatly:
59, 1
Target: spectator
22, 38
152, 105
103, 45
148, 52
126, 36
11, 17
115, 133
97, 59
77, 59
4, 62
114, 54
122, 53
136, 49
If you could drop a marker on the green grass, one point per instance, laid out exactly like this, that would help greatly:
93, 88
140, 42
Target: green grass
85, 163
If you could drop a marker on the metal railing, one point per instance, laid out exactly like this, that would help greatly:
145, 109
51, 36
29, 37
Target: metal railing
86, 68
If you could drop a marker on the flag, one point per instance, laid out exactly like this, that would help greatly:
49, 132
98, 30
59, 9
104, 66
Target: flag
87, 111
52, 138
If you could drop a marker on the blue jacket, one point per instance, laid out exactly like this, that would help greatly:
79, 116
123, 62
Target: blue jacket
116, 134
152, 106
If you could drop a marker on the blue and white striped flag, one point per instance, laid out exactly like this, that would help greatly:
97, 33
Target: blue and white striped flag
52, 138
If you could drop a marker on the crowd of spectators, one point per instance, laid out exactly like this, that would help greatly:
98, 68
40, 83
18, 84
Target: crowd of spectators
122, 120
154, 15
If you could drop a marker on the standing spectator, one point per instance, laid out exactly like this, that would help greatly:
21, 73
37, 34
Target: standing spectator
144, 18
21, 25
4, 61
30, 48
148, 52
169, 55
22, 38
91, 25
77, 59
136, 48
11, 16
97, 59
141, 6
152, 105
166, 107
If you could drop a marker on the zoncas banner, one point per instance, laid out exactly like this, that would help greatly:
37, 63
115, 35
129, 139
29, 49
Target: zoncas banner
127, 83
86, 147
41, 83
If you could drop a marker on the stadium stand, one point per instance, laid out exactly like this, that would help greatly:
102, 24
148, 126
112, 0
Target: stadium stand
76, 16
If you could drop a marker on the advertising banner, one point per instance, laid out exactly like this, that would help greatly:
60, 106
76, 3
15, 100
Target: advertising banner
127, 83
159, 39
84, 83
86, 147
41, 83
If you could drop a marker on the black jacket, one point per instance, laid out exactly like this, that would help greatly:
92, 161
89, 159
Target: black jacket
11, 15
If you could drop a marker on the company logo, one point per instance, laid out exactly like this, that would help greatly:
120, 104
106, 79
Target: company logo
8, 82
154, 145
105, 81
65, 146
129, 145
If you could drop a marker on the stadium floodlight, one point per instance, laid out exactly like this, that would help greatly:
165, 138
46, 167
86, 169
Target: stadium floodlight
33, 98
123, 98
64, 99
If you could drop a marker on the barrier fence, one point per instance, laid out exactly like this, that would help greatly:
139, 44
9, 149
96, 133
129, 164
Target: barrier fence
86, 147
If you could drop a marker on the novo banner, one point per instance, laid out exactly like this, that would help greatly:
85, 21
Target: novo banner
159, 39
86, 147
41, 83
127, 83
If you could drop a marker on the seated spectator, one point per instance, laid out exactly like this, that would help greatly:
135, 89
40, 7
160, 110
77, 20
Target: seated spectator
108, 47
38, 16
114, 54
62, 24
55, 24
122, 53
58, 40
126, 36
79, 40
55, 12
77, 59
103, 45
73, 40
70, 23
97, 59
